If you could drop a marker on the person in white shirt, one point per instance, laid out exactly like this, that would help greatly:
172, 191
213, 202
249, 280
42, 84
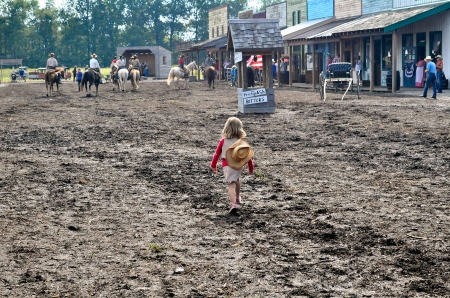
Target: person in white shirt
52, 64
121, 62
93, 63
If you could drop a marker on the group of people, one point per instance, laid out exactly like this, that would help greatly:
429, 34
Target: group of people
434, 74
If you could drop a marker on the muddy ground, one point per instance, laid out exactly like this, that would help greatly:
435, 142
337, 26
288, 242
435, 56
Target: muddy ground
112, 196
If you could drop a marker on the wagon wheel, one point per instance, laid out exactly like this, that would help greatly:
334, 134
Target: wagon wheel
321, 86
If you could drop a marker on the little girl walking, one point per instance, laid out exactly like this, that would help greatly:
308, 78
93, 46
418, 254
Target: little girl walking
235, 153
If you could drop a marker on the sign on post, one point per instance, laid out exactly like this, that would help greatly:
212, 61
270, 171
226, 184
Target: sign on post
237, 57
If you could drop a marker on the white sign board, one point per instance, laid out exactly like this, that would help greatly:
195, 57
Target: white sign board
254, 96
237, 57
253, 100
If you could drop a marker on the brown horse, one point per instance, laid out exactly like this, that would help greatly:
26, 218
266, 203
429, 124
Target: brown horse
51, 77
210, 74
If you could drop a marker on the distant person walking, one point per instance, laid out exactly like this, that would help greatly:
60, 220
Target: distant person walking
431, 77
235, 153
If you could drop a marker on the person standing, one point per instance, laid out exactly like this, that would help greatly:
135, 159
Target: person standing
52, 64
431, 77
358, 67
234, 153
74, 73
439, 67
420, 71
79, 76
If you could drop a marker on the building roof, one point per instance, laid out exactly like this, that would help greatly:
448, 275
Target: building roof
384, 21
254, 35
316, 30
289, 32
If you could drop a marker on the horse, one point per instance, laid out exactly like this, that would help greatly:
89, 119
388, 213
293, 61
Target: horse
123, 77
176, 72
135, 75
210, 74
51, 77
92, 77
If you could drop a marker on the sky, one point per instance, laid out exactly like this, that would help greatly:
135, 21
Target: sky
252, 4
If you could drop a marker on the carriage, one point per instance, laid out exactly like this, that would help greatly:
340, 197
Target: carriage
338, 76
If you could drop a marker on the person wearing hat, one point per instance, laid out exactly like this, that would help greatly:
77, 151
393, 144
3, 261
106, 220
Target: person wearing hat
431, 77
93, 63
52, 64
439, 67
235, 153
134, 63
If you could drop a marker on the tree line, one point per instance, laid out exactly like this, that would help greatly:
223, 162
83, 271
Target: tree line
82, 27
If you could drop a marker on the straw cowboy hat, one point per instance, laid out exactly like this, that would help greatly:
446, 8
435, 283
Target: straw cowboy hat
94, 55
438, 56
52, 54
239, 154
428, 58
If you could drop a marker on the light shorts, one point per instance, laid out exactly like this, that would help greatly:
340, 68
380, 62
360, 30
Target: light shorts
231, 175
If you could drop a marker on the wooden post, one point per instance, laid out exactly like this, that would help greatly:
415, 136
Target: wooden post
278, 68
372, 63
394, 61
291, 76
314, 66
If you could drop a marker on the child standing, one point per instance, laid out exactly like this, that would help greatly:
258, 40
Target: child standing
235, 153
79, 77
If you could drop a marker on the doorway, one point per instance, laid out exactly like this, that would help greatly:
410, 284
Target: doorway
421, 42
377, 63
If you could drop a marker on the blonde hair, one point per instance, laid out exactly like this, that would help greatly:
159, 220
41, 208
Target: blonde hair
233, 129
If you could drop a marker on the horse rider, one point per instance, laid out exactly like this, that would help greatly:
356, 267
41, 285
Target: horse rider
121, 63
114, 61
209, 61
52, 64
93, 64
181, 66
134, 63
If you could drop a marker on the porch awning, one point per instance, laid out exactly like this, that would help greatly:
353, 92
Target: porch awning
319, 29
383, 22
305, 26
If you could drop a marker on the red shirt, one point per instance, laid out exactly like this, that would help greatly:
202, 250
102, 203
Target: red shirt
181, 61
439, 65
217, 154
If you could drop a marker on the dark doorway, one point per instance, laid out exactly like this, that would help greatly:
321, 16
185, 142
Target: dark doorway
377, 63
421, 42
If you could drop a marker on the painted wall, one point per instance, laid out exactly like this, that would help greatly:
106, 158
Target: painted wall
409, 3
293, 7
439, 22
347, 8
320, 9
374, 6
278, 11
218, 21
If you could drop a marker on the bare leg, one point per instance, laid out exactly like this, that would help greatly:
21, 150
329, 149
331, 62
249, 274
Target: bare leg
232, 192
238, 188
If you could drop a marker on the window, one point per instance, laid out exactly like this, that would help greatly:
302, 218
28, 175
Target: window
293, 18
164, 60
435, 43
212, 32
222, 29
299, 17
217, 31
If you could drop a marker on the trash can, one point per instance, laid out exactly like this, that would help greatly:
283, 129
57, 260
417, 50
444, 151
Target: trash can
389, 81
284, 77
146, 72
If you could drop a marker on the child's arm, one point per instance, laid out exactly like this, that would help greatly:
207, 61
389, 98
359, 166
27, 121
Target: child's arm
216, 155
251, 166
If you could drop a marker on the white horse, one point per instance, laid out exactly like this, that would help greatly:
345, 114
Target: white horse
135, 76
176, 72
123, 77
